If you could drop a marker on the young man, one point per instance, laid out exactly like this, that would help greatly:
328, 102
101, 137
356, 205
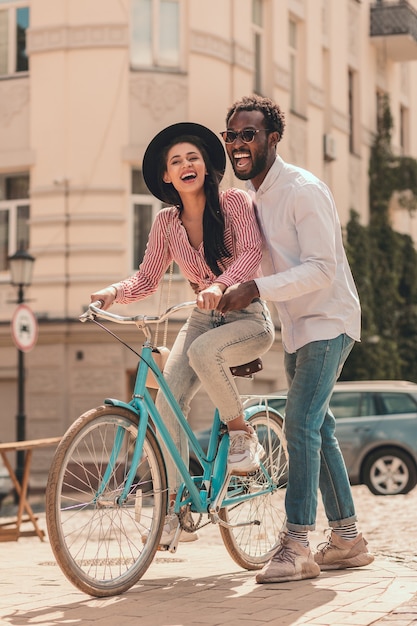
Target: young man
307, 276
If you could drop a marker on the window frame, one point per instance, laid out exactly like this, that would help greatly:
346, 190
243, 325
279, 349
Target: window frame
365, 403
297, 65
12, 206
11, 7
156, 36
11, 199
390, 406
138, 200
404, 129
353, 110
258, 10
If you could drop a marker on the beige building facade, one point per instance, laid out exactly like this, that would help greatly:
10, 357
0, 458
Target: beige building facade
84, 86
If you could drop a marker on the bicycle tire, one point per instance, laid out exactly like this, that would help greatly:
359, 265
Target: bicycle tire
101, 546
251, 546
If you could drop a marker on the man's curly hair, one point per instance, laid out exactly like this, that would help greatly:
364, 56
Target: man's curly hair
274, 117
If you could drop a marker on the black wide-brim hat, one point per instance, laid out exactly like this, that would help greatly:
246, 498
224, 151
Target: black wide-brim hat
167, 136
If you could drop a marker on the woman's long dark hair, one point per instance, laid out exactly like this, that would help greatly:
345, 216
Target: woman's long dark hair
213, 218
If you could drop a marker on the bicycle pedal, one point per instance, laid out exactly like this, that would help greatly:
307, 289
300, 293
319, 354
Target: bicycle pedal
251, 473
162, 548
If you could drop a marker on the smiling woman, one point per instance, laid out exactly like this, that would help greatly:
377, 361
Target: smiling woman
214, 238
186, 170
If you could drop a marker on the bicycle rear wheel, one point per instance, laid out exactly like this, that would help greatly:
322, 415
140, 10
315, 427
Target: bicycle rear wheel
102, 545
252, 545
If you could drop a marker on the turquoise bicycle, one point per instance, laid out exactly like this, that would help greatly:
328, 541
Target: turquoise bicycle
107, 497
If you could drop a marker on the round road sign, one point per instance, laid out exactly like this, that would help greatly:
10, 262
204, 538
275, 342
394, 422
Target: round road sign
24, 328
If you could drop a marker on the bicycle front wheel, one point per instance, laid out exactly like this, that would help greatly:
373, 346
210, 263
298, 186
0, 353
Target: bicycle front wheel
104, 545
262, 516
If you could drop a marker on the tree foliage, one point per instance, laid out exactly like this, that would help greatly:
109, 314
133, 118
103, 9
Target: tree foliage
384, 265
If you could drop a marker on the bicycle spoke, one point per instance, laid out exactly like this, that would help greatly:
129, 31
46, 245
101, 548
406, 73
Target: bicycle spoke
263, 515
104, 546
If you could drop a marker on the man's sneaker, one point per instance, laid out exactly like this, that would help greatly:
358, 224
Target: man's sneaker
245, 452
292, 561
168, 533
338, 553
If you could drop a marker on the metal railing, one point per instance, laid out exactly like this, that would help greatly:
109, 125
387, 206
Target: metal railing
393, 18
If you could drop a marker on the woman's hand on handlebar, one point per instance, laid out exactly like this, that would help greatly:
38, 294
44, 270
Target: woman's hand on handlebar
209, 298
106, 296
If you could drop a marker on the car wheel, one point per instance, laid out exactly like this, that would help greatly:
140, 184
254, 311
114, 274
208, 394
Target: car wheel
389, 471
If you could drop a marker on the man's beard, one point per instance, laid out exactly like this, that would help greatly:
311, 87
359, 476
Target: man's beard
259, 164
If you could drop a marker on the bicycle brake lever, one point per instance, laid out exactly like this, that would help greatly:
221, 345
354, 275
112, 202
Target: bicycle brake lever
89, 313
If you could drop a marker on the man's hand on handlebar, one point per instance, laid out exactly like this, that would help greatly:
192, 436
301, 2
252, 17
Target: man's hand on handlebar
238, 296
106, 296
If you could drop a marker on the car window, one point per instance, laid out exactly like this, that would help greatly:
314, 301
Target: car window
352, 404
398, 403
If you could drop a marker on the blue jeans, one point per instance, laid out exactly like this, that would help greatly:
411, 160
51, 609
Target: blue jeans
203, 352
315, 459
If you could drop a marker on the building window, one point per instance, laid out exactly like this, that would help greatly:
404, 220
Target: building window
155, 33
352, 110
14, 216
297, 66
257, 25
14, 22
404, 129
293, 64
382, 110
144, 207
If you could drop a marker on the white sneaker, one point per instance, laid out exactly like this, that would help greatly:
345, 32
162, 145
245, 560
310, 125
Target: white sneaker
168, 533
170, 527
245, 451
292, 561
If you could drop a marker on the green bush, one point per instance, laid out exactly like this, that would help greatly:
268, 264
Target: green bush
384, 265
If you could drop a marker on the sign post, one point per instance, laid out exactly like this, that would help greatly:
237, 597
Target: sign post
25, 334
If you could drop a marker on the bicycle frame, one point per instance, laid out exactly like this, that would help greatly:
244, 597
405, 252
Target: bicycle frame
210, 494
143, 405
106, 496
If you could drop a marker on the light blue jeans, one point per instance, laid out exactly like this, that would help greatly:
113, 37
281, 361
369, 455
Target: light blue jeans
206, 347
315, 459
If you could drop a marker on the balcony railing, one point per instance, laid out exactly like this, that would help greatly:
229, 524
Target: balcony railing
393, 26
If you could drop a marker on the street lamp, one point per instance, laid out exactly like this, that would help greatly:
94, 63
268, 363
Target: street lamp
21, 266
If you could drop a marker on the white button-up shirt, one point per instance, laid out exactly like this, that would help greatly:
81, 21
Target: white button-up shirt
305, 270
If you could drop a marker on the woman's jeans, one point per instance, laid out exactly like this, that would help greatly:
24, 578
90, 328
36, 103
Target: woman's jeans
315, 459
206, 347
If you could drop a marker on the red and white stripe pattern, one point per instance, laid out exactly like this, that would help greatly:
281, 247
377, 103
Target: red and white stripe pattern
242, 238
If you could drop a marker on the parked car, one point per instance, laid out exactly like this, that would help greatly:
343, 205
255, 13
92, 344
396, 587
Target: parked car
377, 432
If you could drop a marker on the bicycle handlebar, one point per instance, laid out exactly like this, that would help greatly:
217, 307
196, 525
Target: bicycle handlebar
94, 310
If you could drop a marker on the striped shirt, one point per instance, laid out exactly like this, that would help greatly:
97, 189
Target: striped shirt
168, 241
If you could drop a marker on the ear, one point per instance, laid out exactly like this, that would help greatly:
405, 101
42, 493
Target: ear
274, 138
166, 178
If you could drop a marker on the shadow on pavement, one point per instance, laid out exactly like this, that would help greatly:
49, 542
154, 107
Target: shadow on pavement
230, 599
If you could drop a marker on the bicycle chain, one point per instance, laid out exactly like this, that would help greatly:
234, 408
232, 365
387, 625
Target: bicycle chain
184, 520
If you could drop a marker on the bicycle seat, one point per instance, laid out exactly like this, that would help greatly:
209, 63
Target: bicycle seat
247, 369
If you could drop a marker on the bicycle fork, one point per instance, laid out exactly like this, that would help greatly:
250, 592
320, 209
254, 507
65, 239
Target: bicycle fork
137, 452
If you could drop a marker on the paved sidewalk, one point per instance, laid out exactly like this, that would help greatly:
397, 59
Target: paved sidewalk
201, 585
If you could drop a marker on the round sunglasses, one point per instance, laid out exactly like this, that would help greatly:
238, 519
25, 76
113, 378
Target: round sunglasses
247, 135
